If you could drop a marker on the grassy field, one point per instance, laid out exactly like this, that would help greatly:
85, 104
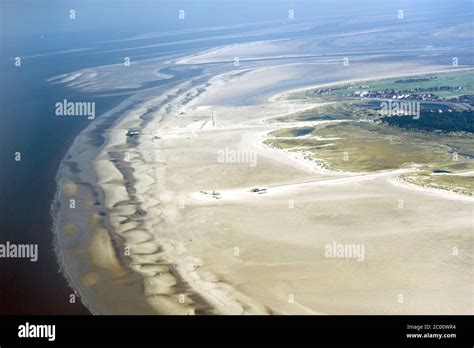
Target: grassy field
364, 147
367, 147
457, 183
465, 79
344, 110
363, 144
293, 132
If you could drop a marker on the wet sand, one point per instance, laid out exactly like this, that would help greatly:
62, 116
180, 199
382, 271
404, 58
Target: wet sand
167, 227
243, 252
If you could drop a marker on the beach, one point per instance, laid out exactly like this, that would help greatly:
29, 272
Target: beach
185, 210
240, 252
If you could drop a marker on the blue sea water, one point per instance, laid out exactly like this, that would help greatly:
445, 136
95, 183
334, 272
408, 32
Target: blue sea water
32, 30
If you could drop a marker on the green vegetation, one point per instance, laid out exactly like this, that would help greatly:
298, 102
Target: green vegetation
335, 111
293, 132
306, 143
458, 183
439, 143
368, 147
433, 121
364, 147
463, 78
444, 85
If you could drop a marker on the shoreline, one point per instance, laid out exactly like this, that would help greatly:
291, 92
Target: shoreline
63, 177
185, 271
440, 192
313, 163
184, 267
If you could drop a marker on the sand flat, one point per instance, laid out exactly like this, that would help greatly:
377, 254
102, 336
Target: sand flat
248, 252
